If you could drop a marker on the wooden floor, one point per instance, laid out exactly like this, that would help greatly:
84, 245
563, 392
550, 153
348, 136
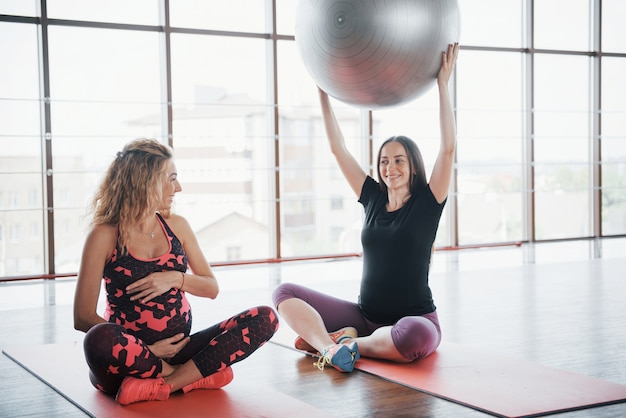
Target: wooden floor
558, 304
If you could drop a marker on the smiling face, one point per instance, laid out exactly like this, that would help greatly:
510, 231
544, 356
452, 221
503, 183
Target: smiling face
171, 186
394, 167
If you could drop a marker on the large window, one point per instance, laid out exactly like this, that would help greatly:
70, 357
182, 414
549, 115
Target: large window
103, 84
319, 212
223, 141
538, 97
613, 150
562, 146
489, 151
21, 155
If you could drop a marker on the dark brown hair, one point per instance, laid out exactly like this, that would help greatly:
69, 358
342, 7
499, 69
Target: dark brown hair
416, 163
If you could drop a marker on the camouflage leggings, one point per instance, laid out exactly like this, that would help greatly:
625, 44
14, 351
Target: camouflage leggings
112, 352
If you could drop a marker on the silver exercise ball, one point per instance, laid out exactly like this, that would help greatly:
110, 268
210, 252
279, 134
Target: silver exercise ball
375, 53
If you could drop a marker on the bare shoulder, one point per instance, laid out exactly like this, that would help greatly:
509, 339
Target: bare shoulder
177, 221
179, 225
103, 233
101, 241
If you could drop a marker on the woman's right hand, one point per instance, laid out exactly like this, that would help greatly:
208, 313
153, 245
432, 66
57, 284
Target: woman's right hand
169, 347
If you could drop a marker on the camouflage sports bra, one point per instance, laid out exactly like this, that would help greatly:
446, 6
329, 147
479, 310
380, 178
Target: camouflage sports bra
165, 315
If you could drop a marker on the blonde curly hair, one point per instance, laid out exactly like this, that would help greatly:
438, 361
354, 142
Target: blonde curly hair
132, 187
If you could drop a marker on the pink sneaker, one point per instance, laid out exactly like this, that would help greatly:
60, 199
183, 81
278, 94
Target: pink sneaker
137, 390
337, 337
213, 381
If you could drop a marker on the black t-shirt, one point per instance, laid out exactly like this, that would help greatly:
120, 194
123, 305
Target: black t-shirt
396, 254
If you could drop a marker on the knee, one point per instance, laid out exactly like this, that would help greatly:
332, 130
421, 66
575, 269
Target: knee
98, 333
266, 311
266, 317
282, 292
95, 344
270, 314
98, 339
415, 337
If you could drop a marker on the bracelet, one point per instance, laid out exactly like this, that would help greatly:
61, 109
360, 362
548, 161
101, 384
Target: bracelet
183, 282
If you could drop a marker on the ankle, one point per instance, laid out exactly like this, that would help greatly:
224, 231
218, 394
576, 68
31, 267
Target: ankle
216, 380
167, 369
347, 341
328, 347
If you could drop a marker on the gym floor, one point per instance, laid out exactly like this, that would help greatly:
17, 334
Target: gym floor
559, 304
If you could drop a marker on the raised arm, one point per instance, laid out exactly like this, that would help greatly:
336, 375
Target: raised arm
442, 170
350, 167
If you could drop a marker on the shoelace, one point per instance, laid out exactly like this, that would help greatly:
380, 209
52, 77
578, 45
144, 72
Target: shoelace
324, 359
138, 390
149, 391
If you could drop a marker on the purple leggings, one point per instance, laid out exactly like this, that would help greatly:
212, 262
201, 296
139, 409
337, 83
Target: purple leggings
414, 336
112, 352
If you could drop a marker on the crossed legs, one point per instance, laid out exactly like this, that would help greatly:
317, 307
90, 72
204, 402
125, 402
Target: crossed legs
313, 315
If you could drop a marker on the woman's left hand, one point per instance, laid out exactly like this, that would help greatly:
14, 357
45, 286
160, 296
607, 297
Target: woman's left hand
153, 285
448, 60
